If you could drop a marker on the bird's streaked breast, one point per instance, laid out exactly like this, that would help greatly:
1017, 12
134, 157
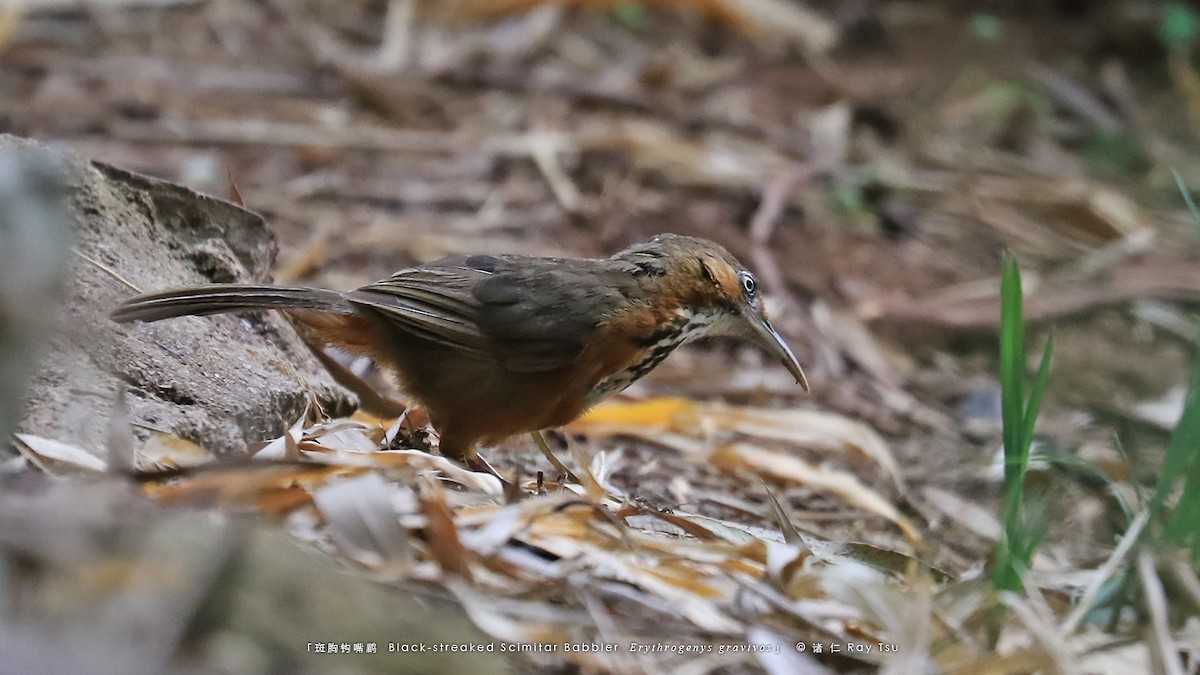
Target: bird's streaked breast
686, 326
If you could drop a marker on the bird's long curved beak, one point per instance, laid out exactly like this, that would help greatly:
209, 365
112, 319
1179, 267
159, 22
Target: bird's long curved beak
770, 340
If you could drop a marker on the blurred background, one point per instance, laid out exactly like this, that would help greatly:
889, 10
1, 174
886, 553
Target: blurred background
871, 160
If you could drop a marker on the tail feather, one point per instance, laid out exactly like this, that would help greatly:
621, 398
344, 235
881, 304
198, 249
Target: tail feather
222, 298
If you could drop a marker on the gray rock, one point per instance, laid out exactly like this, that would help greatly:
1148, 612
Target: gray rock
221, 382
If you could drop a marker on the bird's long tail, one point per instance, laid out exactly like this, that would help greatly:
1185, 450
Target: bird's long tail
221, 298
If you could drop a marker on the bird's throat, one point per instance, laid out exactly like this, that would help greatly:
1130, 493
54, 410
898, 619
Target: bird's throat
686, 325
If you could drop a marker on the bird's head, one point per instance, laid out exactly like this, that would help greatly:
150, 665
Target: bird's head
717, 293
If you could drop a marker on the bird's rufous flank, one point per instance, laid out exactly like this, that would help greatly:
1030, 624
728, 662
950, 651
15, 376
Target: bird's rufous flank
495, 345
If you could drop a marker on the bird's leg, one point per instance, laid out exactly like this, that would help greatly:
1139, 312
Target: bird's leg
465, 454
540, 440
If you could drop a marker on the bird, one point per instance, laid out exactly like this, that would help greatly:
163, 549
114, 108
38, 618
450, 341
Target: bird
491, 346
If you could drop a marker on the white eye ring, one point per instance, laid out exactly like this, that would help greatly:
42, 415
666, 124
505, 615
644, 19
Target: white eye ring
749, 285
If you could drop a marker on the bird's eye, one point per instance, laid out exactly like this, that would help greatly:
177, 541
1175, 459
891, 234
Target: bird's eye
749, 285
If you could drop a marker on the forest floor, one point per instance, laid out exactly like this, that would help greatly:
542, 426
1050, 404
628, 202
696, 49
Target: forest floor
873, 185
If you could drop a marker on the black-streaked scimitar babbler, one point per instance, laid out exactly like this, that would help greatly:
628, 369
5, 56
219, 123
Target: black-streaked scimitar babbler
495, 345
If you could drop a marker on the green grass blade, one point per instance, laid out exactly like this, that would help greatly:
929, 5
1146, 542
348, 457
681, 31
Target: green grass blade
1014, 552
1012, 366
1182, 466
1183, 447
1033, 406
1183, 529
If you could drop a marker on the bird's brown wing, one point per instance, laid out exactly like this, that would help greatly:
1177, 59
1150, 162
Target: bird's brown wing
433, 302
530, 314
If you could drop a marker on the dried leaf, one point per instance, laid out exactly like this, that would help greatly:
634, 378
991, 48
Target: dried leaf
810, 429
790, 534
239, 486
62, 453
743, 456
362, 520
472, 480
342, 435
784, 560
441, 533
170, 450
684, 593
486, 614
655, 413
279, 501
784, 659
286, 447
965, 512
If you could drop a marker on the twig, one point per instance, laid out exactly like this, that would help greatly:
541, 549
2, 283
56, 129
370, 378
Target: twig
1076, 97
262, 132
106, 269
1156, 603
1151, 277
544, 148
1037, 624
583, 93
774, 200
1102, 575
